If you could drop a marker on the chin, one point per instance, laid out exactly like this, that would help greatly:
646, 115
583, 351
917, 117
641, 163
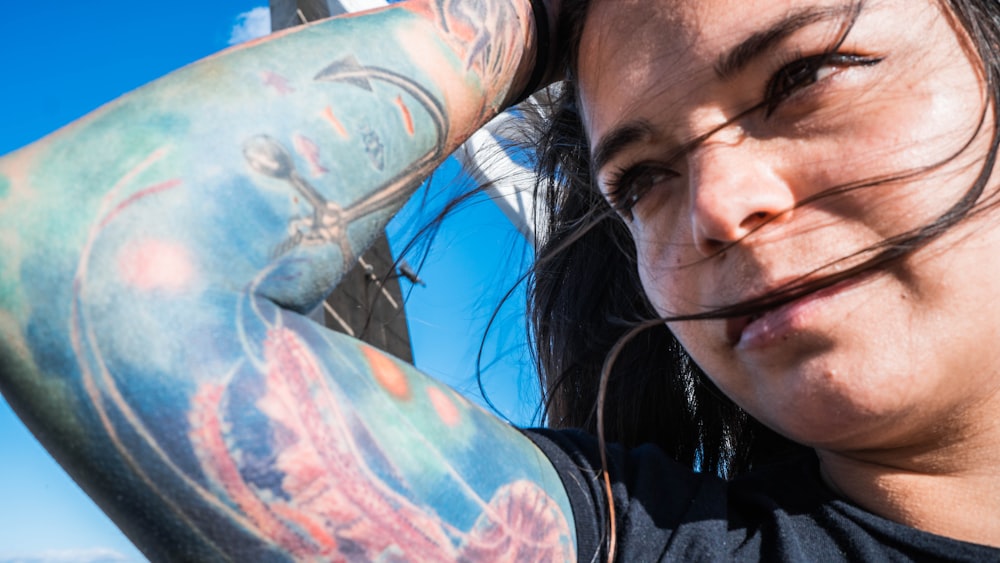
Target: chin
833, 408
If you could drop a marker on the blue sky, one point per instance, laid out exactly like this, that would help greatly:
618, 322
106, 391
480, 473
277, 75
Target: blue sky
69, 58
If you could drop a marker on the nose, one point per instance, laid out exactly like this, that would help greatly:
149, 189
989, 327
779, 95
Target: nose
735, 190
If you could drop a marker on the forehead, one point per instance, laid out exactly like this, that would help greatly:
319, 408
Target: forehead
633, 52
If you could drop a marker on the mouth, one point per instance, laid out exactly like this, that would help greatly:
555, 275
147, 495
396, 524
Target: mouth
736, 325
775, 323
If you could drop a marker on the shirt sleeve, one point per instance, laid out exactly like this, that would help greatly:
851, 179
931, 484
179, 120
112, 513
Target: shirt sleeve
652, 495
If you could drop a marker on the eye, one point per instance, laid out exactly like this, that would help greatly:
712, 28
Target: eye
806, 71
626, 186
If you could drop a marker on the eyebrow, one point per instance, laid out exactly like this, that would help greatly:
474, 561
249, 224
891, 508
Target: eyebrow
729, 64
758, 43
618, 139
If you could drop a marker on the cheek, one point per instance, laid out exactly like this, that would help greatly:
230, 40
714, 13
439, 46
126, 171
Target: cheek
666, 266
651, 283
923, 117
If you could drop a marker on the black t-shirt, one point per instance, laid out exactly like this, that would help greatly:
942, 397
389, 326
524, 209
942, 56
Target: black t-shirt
782, 512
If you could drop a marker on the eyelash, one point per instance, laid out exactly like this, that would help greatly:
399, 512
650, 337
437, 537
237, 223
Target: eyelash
803, 72
622, 190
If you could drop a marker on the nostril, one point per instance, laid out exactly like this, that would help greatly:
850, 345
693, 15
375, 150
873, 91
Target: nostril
754, 220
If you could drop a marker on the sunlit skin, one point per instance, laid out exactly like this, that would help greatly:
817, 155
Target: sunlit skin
893, 377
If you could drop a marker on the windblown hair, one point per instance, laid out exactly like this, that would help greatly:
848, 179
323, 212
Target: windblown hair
593, 325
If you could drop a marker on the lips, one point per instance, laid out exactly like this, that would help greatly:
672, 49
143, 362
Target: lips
735, 326
771, 324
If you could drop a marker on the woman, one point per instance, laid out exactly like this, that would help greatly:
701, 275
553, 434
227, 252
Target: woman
156, 346
794, 171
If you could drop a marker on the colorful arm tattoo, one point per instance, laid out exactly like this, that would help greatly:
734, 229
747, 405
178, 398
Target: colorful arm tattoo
157, 257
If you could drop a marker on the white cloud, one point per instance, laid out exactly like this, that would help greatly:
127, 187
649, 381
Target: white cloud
251, 25
96, 555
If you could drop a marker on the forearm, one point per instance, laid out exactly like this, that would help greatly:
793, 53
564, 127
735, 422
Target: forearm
351, 112
151, 253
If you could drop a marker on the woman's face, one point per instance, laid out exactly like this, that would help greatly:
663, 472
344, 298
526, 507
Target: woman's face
846, 97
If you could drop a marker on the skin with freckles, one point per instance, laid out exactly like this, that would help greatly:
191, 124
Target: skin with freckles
740, 121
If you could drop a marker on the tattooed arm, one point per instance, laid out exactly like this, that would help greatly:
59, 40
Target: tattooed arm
155, 259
